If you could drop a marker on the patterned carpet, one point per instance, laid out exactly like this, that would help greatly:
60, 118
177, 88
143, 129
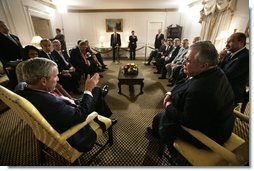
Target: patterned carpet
132, 145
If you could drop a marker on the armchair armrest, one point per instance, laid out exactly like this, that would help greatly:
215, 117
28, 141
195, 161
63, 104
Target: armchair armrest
241, 116
226, 154
67, 134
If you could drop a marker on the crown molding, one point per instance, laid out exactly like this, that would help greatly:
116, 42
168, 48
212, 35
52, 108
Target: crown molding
123, 10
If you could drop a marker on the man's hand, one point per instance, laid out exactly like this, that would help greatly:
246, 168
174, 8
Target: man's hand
91, 82
166, 101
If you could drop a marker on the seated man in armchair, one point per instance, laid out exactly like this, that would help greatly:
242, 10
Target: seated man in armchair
41, 75
204, 101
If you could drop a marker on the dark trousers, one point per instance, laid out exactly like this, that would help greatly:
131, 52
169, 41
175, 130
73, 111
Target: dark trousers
115, 53
168, 130
132, 53
99, 104
99, 57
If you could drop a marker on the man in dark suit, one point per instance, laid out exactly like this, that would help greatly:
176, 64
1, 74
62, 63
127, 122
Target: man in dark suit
41, 75
204, 101
170, 57
236, 65
157, 41
115, 43
132, 45
68, 76
80, 59
10, 50
59, 36
45, 51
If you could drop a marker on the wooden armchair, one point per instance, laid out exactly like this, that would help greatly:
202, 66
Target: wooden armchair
46, 134
235, 151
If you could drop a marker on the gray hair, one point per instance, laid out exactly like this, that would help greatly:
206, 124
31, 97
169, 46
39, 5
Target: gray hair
36, 68
206, 52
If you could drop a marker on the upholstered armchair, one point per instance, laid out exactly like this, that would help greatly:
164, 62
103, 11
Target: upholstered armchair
235, 150
47, 135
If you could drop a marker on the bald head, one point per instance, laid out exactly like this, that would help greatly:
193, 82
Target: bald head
236, 41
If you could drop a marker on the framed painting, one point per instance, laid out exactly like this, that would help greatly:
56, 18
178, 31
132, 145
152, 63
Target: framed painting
114, 23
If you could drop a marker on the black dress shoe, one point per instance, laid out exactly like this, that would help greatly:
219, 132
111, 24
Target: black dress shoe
114, 121
101, 76
151, 132
156, 72
105, 90
147, 64
162, 77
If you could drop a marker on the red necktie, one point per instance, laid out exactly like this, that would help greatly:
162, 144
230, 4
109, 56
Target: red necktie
84, 56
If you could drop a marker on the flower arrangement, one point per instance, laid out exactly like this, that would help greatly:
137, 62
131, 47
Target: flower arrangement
130, 69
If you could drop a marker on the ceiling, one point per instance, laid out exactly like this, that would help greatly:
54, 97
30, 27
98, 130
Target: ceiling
122, 4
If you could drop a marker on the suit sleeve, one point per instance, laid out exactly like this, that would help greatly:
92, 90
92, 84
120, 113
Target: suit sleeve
194, 104
240, 66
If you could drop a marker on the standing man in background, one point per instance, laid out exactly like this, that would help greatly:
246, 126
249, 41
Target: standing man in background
158, 38
133, 45
10, 50
60, 37
115, 43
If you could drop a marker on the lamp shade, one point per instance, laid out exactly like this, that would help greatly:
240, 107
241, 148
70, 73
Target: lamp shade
36, 40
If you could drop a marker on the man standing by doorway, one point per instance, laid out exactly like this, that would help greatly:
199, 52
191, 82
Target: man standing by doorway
115, 43
158, 38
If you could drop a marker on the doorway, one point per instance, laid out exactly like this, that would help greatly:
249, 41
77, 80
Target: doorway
42, 27
153, 27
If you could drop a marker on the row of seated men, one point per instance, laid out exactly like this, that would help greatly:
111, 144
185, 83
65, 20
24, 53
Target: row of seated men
82, 61
205, 97
169, 57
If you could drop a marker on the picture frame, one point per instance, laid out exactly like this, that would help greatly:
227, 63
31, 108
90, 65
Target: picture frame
114, 23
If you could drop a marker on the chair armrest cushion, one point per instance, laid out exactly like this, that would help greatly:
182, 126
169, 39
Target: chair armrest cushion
67, 134
214, 146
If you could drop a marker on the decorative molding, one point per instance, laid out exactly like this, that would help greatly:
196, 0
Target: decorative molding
9, 16
123, 10
47, 3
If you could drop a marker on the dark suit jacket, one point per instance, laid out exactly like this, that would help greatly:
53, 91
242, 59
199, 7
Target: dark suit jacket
157, 42
237, 72
133, 41
44, 55
61, 38
205, 103
60, 62
10, 51
118, 40
78, 62
62, 115
174, 53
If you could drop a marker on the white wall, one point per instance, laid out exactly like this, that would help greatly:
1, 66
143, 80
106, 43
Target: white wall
92, 26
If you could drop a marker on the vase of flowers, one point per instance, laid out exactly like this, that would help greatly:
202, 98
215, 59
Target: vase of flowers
130, 69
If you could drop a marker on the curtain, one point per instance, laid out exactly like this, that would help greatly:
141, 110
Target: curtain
216, 17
